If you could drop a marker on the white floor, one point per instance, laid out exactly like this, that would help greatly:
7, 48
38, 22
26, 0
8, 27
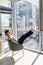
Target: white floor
29, 58
39, 61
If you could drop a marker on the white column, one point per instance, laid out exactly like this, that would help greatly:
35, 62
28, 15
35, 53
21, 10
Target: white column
34, 15
14, 24
41, 15
1, 43
0, 36
0, 23
41, 20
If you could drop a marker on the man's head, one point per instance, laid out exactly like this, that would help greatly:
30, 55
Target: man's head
7, 32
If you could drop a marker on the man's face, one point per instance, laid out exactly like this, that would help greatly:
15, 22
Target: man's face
8, 34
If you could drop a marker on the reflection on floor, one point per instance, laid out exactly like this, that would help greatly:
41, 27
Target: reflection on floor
31, 44
29, 58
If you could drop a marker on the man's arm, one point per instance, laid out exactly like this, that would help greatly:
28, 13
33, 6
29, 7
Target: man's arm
14, 40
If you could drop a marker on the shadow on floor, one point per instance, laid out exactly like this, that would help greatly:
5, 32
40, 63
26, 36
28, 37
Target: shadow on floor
7, 61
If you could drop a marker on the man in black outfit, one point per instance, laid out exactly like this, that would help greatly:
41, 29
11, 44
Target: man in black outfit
23, 37
20, 40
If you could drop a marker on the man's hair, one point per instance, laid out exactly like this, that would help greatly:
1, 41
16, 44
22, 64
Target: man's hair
6, 31
0, 34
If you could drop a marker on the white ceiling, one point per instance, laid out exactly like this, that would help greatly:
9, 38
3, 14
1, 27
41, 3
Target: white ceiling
3, 2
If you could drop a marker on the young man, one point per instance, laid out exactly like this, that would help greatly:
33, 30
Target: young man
11, 39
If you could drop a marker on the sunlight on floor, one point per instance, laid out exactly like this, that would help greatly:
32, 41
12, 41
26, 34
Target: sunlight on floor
19, 59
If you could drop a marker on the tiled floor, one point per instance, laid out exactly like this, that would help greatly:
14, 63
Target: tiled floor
29, 58
39, 61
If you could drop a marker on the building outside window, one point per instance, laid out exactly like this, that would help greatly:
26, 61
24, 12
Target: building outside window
26, 18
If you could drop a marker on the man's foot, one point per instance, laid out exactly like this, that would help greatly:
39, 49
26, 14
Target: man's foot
32, 29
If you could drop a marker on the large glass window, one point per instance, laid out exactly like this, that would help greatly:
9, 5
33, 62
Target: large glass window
27, 16
6, 24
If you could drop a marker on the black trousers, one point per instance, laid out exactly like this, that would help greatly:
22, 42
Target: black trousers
23, 37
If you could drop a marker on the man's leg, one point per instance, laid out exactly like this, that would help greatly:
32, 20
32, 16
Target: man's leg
23, 37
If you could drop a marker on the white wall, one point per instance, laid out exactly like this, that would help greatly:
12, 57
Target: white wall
3, 2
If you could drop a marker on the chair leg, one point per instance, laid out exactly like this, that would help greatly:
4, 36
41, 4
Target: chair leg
12, 53
23, 52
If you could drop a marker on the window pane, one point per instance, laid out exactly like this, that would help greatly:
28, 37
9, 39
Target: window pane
27, 13
27, 16
24, 13
6, 24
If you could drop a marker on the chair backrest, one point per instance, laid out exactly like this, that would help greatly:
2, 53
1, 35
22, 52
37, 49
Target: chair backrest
15, 46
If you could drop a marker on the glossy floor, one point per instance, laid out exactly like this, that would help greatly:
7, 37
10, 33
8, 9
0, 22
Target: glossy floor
29, 58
